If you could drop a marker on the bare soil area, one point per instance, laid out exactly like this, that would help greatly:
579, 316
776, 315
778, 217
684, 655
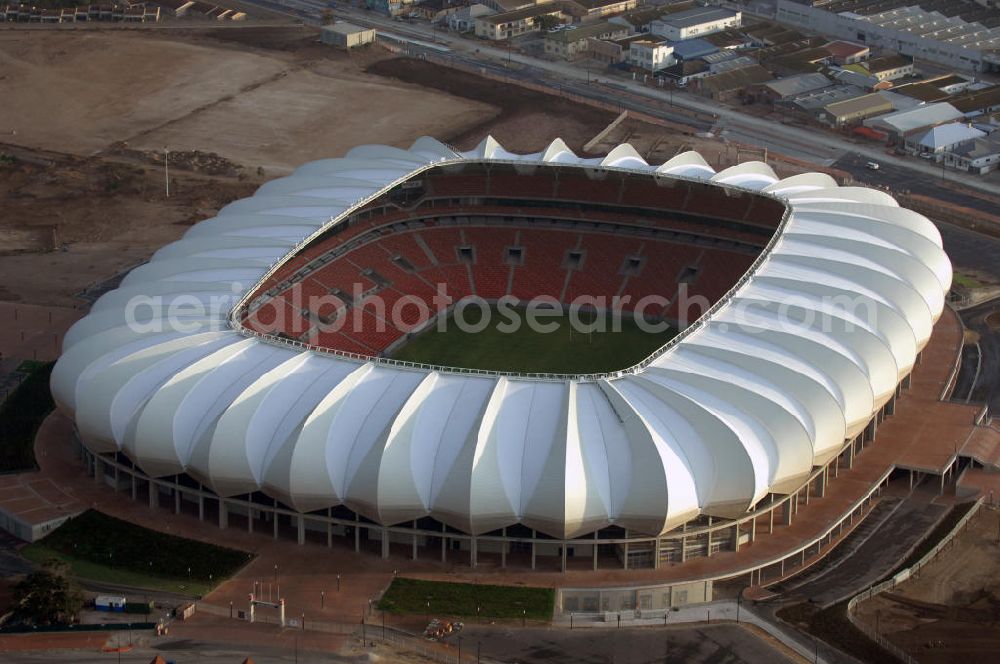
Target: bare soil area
88, 114
951, 611
526, 122
104, 213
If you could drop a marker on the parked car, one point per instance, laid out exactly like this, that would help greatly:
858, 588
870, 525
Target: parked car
872, 166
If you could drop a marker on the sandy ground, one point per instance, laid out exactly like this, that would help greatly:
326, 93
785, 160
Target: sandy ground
257, 106
87, 115
79, 92
951, 611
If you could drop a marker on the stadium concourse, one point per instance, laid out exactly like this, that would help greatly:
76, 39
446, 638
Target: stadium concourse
725, 432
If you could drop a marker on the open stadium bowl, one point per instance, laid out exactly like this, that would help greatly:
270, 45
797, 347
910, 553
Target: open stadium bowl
770, 382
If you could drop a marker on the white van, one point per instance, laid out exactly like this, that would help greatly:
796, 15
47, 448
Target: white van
872, 166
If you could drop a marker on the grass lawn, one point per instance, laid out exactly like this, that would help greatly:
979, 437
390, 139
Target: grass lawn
21, 413
103, 548
83, 569
964, 280
563, 350
461, 599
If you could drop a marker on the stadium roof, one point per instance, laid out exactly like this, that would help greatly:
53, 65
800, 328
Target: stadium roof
743, 403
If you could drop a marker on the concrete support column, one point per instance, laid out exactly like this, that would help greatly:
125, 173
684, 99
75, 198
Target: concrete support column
503, 547
201, 505
357, 534
808, 490
385, 543
275, 514
177, 499
250, 514
533, 552
836, 466
905, 383
736, 537
302, 529
223, 514
684, 547
656, 553
413, 544
753, 530
625, 550
821, 483
563, 556
869, 434
135, 489
98, 470
850, 455
444, 544
787, 512
116, 478
770, 525
154, 495
890, 406
473, 553
596, 547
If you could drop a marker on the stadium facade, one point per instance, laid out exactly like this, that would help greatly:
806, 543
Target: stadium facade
177, 387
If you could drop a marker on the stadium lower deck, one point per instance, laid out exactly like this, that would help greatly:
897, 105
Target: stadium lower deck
666, 248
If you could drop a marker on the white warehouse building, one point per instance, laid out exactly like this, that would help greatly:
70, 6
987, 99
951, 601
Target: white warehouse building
696, 22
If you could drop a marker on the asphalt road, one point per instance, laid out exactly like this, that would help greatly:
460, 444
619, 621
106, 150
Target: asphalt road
704, 644
987, 388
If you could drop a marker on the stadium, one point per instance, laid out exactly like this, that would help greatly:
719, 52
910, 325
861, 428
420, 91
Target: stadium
285, 362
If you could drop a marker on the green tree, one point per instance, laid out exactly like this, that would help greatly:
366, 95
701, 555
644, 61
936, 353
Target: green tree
547, 22
47, 596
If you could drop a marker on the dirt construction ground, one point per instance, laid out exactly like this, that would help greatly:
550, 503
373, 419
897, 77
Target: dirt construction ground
951, 611
88, 114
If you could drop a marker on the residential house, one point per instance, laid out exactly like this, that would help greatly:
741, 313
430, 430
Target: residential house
846, 53
594, 9
638, 20
571, 42
518, 22
979, 156
651, 54
464, 20
890, 67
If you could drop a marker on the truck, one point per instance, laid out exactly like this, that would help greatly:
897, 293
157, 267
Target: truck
110, 603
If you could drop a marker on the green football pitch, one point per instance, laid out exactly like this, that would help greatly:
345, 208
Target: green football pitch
566, 349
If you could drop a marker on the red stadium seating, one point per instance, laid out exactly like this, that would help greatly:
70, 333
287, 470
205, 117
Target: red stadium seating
381, 262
